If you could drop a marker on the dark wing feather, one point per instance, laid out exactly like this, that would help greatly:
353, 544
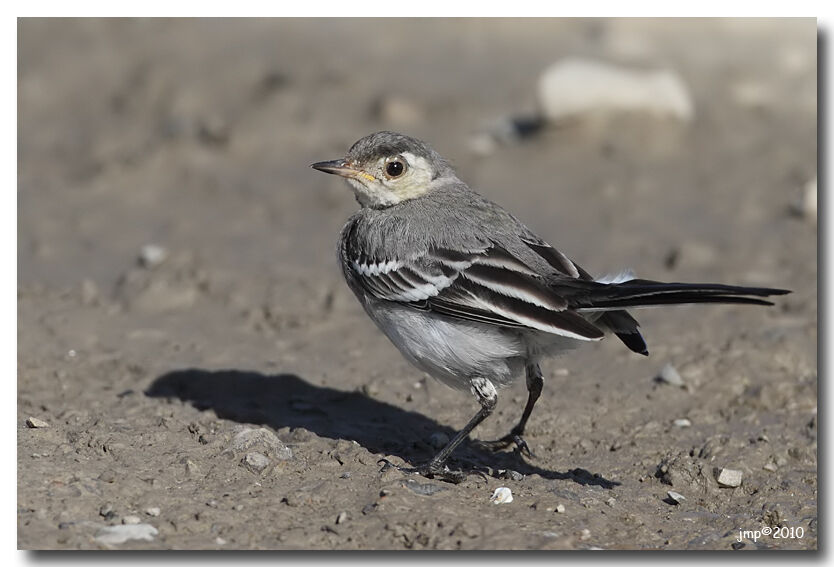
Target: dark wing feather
487, 285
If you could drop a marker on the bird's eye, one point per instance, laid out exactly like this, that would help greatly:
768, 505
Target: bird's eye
395, 167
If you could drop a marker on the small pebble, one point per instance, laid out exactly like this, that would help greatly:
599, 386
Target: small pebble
560, 508
35, 423
154, 511
585, 534
106, 511
151, 255
670, 375
220, 541
683, 423
131, 520
502, 495
770, 466
255, 462
611, 502
675, 497
341, 518
729, 478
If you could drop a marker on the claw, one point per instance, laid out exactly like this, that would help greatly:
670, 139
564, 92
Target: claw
510, 439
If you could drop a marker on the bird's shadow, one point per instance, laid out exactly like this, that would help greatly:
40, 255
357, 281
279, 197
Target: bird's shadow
285, 400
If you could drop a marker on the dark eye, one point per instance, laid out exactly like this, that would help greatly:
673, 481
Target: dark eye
395, 168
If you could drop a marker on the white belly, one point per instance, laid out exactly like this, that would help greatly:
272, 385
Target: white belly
451, 350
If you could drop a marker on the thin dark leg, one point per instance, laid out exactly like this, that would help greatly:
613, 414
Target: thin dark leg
436, 467
535, 383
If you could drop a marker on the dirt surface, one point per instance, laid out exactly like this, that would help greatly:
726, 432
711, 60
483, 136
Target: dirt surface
155, 378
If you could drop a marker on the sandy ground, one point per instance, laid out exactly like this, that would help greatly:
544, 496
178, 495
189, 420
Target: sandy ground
195, 136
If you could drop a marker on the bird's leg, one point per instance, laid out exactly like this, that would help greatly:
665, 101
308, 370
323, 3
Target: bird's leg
535, 383
436, 467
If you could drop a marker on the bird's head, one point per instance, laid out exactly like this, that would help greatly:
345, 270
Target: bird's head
387, 168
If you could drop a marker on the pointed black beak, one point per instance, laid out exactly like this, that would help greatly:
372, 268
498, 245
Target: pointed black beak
335, 166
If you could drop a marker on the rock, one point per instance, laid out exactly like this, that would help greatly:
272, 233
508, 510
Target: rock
502, 495
438, 439
153, 511
729, 478
114, 535
669, 375
35, 423
675, 497
806, 207
152, 255
611, 502
255, 462
575, 87
249, 437
219, 541
131, 520
682, 423
585, 534
342, 517
560, 508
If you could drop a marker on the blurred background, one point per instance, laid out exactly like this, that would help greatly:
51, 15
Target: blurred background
168, 217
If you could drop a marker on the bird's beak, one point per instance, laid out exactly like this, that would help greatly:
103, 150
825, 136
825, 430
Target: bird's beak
342, 168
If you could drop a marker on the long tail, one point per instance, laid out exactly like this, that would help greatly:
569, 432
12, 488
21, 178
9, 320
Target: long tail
614, 298
647, 293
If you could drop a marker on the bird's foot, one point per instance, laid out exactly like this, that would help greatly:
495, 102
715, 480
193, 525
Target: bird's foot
507, 440
431, 470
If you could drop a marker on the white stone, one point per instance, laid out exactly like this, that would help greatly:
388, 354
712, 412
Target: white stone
676, 497
502, 495
36, 423
729, 478
574, 87
114, 535
670, 375
152, 255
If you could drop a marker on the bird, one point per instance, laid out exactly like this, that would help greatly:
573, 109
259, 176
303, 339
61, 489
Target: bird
468, 293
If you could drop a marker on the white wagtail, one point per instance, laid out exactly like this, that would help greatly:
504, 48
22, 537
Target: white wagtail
468, 293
